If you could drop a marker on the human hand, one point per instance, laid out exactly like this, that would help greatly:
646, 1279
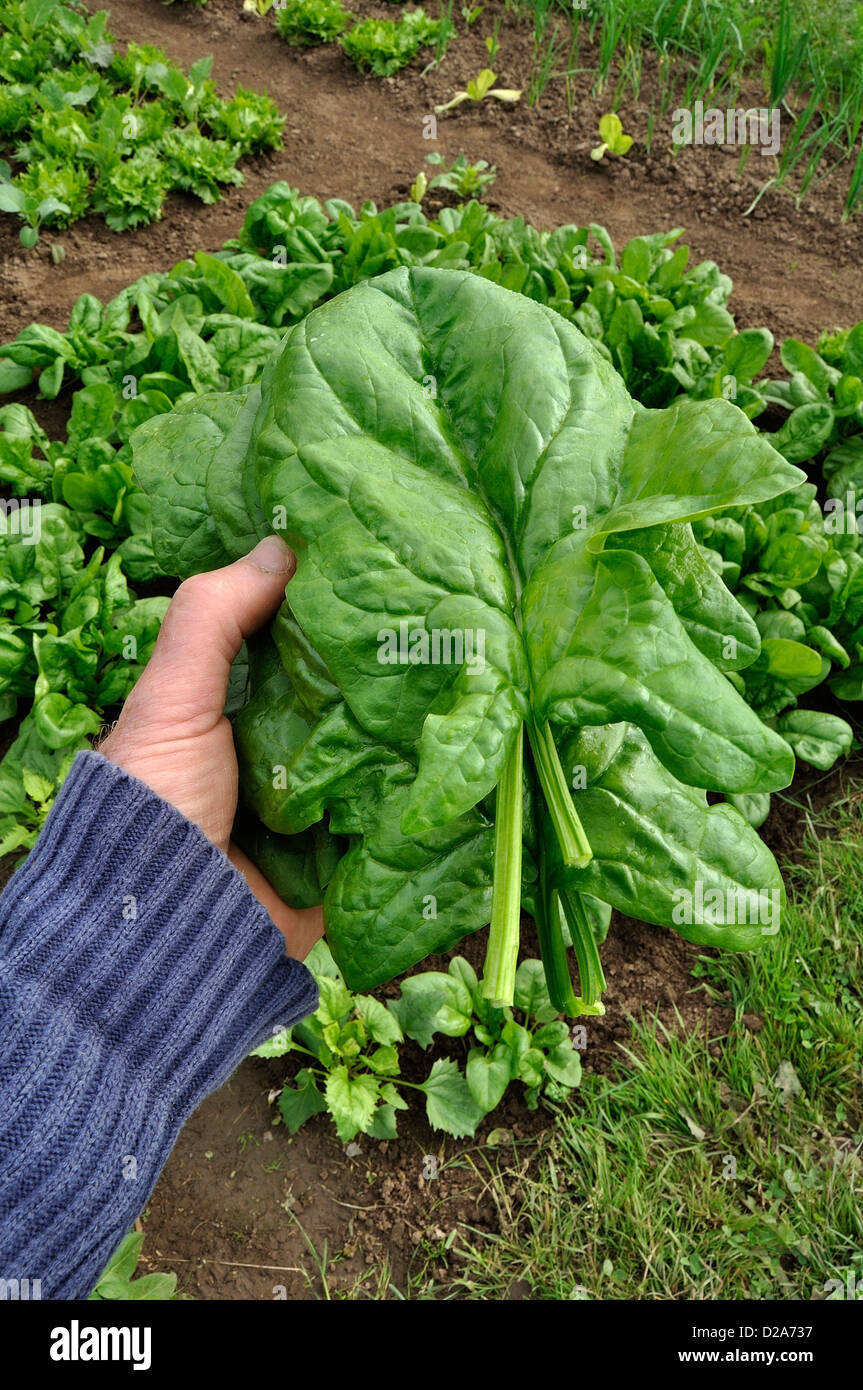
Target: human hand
172, 733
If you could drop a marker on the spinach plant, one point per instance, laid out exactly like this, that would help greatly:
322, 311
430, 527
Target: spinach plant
464, 179
612, 138
500, 670
478, 89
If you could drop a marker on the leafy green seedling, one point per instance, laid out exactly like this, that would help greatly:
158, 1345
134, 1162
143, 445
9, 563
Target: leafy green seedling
312, 21
479, 89
352, 1041
463, 179
613, 139
33, 210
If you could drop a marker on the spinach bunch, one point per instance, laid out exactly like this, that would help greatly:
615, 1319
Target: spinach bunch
499, 675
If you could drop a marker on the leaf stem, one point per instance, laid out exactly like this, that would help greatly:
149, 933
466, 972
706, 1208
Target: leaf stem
591, 980
502, 952
574, 844
552, 947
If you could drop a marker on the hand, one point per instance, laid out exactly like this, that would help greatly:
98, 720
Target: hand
172, 733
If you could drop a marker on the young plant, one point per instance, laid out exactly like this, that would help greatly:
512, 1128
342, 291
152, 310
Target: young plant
480, 88
463, 179
33, 209
419, 187
536, 1049
611, 134
354, 1069
383, 46
312, 21
353, 1040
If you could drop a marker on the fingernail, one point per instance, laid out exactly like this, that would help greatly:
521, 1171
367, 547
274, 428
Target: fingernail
272, 556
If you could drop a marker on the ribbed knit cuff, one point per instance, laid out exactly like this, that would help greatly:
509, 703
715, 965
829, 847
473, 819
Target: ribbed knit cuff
136, 971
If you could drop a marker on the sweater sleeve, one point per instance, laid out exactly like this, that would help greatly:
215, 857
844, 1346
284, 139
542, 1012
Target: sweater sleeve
136, 971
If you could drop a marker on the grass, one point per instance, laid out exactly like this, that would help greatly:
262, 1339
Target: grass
724, 1169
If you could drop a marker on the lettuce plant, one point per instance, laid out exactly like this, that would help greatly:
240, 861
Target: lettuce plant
499, 677
383, 46
312, 21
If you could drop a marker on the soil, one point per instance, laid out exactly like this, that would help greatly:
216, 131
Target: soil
241, 1204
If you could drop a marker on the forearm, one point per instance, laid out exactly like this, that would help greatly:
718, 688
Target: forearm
136, 971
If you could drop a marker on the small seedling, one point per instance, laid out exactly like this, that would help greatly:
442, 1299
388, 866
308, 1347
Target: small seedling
33, 210
463, 179
479, 89
613, 139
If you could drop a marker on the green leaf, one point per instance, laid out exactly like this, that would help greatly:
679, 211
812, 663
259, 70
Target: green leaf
226, 285
298, 1103
433, 1003
336, 1001
531, 992
384, 1061
819, 739
351, 1101
12, 199
383, 1123
124, 1261
380, 1019
62, 724
51, 378
450, 1105
488, 1075
563, 1064
653, 838
39, 789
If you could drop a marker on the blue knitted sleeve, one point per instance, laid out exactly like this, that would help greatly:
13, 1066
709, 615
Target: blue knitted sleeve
136, 972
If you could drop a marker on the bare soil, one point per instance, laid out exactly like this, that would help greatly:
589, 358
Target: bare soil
240, 1201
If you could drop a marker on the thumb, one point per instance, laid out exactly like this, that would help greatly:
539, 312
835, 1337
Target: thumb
186, 679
